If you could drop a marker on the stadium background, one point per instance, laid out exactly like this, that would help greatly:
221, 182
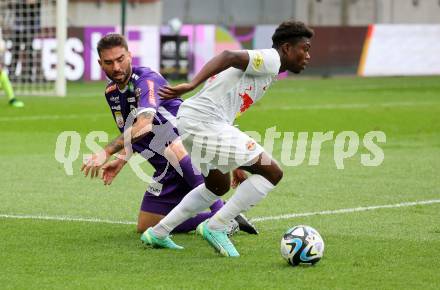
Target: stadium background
367, 38
380, 224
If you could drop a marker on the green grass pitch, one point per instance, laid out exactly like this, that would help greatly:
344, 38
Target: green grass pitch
388, 248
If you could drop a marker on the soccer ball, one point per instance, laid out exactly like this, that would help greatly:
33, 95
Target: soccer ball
302, 245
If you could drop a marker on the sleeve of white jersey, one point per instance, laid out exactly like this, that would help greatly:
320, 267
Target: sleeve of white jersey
263, 62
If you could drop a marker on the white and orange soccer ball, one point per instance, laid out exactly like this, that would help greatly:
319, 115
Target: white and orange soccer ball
302, 245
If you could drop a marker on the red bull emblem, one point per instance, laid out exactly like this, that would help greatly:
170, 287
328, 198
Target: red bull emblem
250, 145
246, 100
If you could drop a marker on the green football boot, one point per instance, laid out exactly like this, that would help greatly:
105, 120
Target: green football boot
218, 240
148, 238
16, 103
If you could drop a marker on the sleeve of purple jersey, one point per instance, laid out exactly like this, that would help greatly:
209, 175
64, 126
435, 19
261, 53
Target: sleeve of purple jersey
146, 90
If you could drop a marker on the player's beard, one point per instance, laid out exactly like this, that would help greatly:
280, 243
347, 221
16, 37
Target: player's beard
127, 74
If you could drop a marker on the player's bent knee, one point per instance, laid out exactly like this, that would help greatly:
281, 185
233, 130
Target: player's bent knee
218, 189
277, 176
274, 175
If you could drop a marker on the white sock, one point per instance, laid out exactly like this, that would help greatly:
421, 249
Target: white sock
247, 194
194, 202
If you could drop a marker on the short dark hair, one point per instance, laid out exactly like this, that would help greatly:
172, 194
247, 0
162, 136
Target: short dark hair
111, 40
290, 31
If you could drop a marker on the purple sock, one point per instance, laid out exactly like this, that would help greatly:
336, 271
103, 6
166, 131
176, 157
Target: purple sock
190, 174
216, 206
192, 223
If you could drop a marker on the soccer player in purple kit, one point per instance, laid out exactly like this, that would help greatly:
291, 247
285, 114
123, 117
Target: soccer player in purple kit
149, 122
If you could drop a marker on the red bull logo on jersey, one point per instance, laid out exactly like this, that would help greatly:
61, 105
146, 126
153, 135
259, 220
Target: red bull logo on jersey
246, 100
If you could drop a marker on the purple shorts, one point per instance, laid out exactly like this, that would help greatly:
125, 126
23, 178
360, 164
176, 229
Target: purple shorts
157, 205
172, 193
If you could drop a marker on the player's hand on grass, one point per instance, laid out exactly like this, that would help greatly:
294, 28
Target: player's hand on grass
111, 169
94, 163
171, 92
238, 176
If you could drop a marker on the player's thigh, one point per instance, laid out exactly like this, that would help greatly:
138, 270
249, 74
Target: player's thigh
231, 148
147, 219
244, 152
265, 166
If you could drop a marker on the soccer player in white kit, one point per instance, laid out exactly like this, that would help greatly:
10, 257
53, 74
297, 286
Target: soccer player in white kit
234, 81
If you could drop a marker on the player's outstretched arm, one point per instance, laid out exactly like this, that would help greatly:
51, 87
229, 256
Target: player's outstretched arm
111, 169
228, 58
140, 128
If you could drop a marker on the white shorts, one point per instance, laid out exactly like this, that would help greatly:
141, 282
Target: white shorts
216, 145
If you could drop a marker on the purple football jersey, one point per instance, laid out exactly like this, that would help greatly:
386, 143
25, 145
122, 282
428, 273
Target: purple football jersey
140, 95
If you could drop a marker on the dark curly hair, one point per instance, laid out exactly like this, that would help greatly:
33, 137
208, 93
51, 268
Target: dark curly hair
111, 40
290, 31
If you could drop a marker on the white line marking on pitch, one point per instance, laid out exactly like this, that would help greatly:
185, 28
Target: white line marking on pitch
65, 218
345, 210
256, 219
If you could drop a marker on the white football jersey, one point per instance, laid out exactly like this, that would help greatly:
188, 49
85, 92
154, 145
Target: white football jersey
233, 91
